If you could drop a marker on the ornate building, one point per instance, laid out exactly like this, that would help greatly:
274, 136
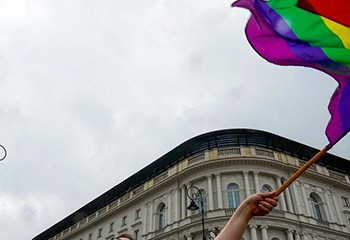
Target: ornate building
218, 170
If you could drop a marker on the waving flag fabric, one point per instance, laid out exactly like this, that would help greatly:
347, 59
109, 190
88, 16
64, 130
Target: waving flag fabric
337, 11
286, 32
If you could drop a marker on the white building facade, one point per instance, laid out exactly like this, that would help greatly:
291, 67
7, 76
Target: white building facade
225, 166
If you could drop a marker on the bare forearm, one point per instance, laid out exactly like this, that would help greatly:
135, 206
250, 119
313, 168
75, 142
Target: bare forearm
258, 204
237, 224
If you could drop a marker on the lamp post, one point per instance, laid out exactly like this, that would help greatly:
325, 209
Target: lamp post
193, 196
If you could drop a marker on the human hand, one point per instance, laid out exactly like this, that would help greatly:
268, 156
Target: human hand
261, 204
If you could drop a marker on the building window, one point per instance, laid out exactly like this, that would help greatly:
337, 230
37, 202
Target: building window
137, 214
266, 188
316, 206
111, 227
124, 221
345, 201
90, 236
161, 216
99, 233
136, 234
233, 195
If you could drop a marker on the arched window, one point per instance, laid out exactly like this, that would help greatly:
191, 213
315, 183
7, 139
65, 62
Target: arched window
266, 188
204, 198
161, 216
316, 206
274, 238
233, 195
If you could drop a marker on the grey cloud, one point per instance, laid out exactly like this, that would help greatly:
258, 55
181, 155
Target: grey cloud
87, 87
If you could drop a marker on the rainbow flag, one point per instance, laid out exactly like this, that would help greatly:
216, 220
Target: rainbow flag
309, 33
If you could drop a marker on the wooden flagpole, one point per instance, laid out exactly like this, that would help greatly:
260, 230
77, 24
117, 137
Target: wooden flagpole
302, 169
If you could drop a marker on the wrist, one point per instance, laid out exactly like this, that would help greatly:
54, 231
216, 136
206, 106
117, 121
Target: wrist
245, 210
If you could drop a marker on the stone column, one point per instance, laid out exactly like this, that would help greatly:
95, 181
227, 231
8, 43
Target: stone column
183, 202
210, 191
296, 198
313, 237
328, 202
256, 182
340, 219
218, 186
306, 202
303, 236
289, 200
151, 220
289, 234
144, 219
296, 236
246, 183
177, 207
264, 232
189, 237
253, 232
326, 207
189, 212
282, 199
169, 208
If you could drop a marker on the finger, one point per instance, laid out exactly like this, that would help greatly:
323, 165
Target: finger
264, 209
271, 201
266, 204
267, 194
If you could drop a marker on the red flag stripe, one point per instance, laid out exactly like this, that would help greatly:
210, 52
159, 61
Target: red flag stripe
336, 10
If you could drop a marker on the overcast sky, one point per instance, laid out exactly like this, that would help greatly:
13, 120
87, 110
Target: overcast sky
94, 90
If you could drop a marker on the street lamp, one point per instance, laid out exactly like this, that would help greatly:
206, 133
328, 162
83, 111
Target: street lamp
193, 196
4, 152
